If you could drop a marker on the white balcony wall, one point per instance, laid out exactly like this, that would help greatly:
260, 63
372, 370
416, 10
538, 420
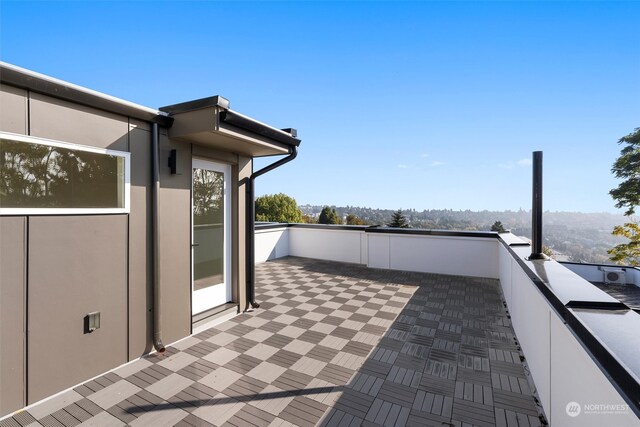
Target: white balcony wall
331, 245
530, 314
576, 378
271, 244
561, 368
462, 256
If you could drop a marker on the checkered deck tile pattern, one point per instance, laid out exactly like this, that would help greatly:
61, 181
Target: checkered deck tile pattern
331, 345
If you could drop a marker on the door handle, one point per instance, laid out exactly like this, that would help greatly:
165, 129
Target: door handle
193, 245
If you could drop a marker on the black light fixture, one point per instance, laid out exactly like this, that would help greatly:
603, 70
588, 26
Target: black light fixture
173, 161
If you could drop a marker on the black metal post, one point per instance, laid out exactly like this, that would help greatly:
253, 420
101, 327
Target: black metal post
536, 208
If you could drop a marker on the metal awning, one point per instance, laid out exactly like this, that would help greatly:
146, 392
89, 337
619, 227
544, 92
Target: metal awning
210, 122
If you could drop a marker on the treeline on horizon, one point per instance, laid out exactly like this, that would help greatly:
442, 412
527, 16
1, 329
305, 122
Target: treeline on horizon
572, 236
448, 219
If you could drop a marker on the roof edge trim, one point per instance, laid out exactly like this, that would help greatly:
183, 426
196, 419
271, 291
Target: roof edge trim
21, 77
252, 125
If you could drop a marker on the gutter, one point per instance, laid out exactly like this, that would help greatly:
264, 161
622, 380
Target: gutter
251, 222
36, 82
157, 300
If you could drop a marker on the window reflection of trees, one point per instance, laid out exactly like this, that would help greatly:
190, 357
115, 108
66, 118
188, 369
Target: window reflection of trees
43, 176
208, 201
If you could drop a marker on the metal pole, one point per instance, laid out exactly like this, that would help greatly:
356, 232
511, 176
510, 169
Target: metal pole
536, 208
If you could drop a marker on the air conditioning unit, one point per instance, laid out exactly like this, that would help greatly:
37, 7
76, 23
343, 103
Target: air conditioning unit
615, 276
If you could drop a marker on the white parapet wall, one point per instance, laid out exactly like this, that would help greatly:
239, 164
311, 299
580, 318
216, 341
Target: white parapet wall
564, 373
454, 255
271, 243
332, 245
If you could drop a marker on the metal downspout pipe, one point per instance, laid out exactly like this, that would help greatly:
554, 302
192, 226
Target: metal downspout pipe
157, 300
251, 223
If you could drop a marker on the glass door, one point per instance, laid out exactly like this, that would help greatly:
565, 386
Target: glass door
211, 237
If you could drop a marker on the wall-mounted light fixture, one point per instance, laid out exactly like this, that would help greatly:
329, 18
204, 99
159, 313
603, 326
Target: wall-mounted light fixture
173, 162
91, 322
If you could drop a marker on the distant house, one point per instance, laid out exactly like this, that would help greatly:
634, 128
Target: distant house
121, 227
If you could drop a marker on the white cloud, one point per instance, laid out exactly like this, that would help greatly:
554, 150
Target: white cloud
424, 155
524, 162
402, 166
436, 163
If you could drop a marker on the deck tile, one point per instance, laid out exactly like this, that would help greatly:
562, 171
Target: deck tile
333, 345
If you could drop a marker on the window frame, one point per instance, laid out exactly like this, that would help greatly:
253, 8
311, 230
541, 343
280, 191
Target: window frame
76, 147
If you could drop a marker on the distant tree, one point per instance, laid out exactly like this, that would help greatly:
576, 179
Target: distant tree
497, 226
354, 220
277, 208
329, 216
308, 219
627, 253
547, 251
398, 220
627, 167
627, 195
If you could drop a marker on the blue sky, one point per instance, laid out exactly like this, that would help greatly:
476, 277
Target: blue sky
399, 104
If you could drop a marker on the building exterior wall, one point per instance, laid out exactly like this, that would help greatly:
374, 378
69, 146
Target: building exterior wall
174, 225
77, 265
13, 109
140, 242
13, 232
55, 269
13, 247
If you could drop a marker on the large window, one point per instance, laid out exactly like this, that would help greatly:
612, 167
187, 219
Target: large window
40, 176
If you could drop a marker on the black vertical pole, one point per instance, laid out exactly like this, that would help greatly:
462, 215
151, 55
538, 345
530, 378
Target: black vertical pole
536, 208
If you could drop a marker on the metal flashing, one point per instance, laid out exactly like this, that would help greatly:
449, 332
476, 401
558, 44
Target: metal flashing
20, 77
197, 104
247, 123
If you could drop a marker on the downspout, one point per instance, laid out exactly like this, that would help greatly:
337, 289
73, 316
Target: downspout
251, 223
157, 300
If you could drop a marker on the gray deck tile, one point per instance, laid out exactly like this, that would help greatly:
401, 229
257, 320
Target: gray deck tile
66, 418
50, 421
515, 402
168, 416
303, 411
220, 379
397, 393
169, 385
244, 389
267, 372
193, 421
198, 369
103, 419
284, 358
473, 413
251, 416
292, 381
120, 412
10, 422
23, 418
334, 344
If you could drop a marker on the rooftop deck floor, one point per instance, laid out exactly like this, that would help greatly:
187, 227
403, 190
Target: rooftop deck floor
332, 345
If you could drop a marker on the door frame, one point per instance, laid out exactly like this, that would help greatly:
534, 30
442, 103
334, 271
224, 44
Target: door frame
225, 169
